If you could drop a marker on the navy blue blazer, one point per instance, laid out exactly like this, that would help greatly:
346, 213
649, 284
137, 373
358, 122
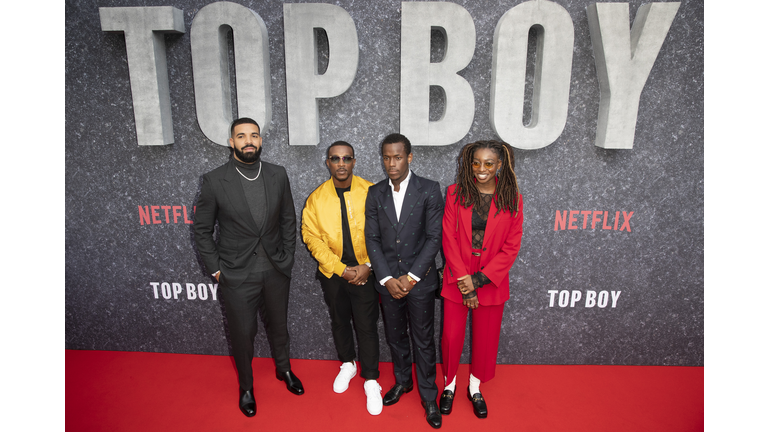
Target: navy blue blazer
396, 248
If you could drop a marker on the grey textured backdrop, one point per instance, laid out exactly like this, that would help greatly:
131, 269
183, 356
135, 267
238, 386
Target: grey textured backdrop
112, 259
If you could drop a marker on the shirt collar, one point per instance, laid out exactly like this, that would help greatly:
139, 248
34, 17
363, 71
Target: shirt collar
403, 184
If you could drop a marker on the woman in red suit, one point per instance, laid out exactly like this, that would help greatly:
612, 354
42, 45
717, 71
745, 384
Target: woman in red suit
482, 227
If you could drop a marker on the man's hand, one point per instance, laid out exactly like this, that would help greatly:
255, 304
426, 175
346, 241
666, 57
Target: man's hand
362, 272
396, 288
349, 274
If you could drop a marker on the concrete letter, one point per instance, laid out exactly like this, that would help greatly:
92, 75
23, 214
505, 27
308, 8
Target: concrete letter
147, 68
552, 77
303, 85
210, 67
624, 59
417, 74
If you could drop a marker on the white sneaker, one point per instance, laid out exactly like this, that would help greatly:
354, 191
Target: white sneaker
373, 393
347, 372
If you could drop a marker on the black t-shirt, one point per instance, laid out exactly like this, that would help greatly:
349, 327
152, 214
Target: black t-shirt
348, 253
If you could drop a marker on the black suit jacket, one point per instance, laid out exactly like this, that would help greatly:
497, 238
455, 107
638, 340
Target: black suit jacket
411, 244
222, 198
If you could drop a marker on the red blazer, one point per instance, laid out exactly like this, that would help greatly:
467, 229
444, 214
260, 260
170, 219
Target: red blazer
501, 244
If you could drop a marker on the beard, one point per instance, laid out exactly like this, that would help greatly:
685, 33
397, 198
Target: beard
248, 157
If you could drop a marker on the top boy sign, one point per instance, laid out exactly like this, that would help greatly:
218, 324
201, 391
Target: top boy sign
623, 58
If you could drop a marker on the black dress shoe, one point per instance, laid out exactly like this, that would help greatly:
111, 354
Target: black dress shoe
446, 402
478, 404
292, 382
434, 418
393, 395
247, 403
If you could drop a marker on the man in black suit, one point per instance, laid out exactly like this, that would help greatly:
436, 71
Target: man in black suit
403, 229
252, 261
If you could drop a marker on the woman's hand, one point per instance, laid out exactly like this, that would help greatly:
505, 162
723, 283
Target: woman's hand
472, 302
465, 284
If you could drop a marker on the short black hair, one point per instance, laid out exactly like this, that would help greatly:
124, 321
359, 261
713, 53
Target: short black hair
242, 120
339, 143
395, 138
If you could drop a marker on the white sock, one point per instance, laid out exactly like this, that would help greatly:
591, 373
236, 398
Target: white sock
474, 385
452, 385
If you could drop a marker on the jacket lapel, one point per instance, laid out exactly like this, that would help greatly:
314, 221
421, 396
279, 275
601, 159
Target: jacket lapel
412, 197
388, 204
465, 216
492, 223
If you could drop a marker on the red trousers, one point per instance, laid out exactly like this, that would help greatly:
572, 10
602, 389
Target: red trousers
486, 329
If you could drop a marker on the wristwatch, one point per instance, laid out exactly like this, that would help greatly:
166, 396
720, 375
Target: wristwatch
411, 280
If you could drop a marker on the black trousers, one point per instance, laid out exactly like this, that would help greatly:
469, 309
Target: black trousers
265, 293
349, 303
415, 313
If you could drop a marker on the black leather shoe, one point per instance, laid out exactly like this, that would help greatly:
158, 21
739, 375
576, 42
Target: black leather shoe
393, 395
478, 404
292, 382
446, 402
434, 418
247, 403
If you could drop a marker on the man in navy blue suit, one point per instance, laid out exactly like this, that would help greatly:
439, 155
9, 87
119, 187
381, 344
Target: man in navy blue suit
403, 229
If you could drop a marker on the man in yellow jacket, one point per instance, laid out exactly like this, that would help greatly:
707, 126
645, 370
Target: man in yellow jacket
333, 228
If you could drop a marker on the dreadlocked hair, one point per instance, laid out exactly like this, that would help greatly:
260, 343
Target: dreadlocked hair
507, 192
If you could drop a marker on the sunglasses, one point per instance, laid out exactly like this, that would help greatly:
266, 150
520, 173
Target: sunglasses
488, 165
337, 159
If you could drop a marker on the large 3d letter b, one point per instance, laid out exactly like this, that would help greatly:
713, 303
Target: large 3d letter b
417, 73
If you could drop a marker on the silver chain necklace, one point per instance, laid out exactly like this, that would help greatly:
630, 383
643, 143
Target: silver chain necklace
250, 179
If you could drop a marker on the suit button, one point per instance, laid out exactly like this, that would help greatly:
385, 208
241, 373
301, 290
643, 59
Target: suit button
399, 260
397, 241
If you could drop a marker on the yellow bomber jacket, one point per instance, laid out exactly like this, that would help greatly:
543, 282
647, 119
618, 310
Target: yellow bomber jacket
321, 224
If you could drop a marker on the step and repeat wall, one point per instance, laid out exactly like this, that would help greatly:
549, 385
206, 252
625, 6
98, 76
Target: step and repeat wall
602, 101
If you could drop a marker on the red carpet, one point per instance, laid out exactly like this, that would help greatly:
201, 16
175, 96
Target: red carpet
131, 391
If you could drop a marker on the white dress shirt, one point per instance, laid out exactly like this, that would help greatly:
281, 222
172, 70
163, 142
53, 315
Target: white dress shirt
399, 197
